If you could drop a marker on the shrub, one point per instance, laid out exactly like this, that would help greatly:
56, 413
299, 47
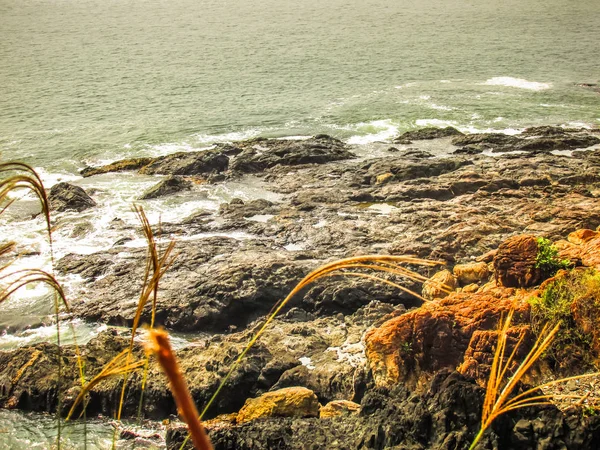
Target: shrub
555, 305
547, 258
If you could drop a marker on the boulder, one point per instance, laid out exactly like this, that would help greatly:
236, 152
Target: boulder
286, 402
188, 163
339, 408
471, 273
65, 197
409, 348
580, 237
515, 262
270, 153
170, 185
439, 285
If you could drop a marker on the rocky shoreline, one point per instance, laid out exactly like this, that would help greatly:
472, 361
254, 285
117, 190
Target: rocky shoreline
344, 339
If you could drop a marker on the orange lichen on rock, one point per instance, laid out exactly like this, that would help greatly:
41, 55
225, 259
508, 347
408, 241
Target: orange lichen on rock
515, 262
286, 402
435, 336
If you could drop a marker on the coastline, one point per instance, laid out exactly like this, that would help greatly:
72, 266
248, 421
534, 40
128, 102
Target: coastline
326, 200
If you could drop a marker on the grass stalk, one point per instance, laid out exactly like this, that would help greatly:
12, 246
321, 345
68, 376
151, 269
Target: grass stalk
499, 397
343, 267
159, 345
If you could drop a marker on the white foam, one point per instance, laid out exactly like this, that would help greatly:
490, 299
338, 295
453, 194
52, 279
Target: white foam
374, 131
436, 123
228, 137
306, 362
517, 83
51, 178
263, 218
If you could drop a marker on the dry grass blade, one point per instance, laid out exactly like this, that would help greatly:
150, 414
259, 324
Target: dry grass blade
157, 265
119, 365
346, 267
498, 393
160, 346
28, 276
29, 180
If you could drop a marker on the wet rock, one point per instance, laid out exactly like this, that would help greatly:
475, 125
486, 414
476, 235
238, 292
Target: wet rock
287, 402
338, 408
428, 133
485, 140
445, 415
168, 186
439, 285
68, 197
117, 166
515, 262
188, 163
267, 154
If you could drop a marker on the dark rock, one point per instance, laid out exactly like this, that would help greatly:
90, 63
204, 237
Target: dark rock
168, 186
468, 150
485, 140
267, 154
117, 166
68, 197
445, 416
188, 163
427, 133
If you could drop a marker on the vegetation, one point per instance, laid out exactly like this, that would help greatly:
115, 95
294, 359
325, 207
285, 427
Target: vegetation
554, 306
498, 395
547, 258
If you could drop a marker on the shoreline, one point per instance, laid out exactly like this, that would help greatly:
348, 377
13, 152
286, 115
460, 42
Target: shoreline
331, 203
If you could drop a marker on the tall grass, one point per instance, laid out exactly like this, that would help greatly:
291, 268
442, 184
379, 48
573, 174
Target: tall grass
499, 397
22, 177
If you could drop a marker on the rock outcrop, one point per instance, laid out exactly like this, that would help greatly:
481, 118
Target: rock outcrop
412, 347
515, 263
68, 197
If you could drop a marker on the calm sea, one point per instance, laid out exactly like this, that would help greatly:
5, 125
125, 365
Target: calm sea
83, 81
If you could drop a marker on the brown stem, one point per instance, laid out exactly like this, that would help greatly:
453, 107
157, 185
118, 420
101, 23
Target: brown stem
162, 349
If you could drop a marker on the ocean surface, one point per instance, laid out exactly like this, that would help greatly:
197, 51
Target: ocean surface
84, 82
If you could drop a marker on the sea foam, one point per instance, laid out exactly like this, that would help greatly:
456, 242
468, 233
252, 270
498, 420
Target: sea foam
517, 83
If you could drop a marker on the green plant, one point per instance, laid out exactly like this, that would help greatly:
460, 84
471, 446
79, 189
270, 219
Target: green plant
547, 258
554, 305
499, 390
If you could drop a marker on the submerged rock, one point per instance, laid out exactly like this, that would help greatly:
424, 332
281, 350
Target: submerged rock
65, 197
117, 166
